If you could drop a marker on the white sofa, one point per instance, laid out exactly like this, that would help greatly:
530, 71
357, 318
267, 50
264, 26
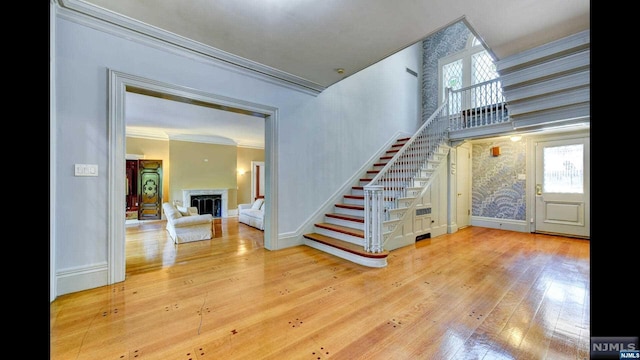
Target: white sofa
185, 224
252, 214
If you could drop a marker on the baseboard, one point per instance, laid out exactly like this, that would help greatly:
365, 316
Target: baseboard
83, 278
290, 239
505, 224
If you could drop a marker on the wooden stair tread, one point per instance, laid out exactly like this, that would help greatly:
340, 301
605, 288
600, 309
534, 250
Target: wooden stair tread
346, 246
342, 229
357, 197
400, 174
359, 219
350, 206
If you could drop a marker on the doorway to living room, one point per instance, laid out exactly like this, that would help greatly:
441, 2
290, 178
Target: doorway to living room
119, 84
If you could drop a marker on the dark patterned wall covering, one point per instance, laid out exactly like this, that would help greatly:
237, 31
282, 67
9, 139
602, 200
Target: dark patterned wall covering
443, 43
496, 190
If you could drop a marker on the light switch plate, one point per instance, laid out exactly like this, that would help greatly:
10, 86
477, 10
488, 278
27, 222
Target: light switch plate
86, 170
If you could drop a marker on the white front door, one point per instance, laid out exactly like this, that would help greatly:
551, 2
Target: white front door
562, 187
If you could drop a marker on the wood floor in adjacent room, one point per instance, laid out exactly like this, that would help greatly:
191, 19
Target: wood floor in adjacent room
476, 294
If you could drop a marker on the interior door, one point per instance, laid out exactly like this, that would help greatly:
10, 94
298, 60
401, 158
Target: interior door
463, 186
132, 186
257, 180
150, 193
562, 187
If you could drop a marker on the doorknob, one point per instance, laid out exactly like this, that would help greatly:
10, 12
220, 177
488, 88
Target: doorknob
538, 189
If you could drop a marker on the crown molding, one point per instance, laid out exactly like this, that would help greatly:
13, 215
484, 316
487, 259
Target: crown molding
131, 29
154, 134
203, 139
146, 134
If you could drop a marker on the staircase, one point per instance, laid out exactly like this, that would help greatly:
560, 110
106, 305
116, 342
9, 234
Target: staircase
366, 225
342, 232
368, 222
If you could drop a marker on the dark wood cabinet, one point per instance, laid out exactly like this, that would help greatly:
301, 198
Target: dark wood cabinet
144, 188
132, 186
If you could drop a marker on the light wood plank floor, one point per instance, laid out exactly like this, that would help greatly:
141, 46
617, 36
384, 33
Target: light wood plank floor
476, 294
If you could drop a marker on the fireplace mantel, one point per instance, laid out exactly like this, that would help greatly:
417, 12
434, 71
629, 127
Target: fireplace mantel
187, 193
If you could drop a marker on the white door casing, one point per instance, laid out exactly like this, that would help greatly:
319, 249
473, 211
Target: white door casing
463, 186
118, 83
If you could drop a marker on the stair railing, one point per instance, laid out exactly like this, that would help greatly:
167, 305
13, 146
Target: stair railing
382, 193
470, 107
477, 105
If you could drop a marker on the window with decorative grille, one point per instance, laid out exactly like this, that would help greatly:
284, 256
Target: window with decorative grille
471, 66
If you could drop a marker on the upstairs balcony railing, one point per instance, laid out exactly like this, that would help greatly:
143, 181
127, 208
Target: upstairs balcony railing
471, 107
477, 105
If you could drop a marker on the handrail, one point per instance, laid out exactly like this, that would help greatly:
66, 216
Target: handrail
382, 193
473, 106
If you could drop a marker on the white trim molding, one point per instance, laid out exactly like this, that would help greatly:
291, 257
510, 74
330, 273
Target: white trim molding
495, 223
118, 83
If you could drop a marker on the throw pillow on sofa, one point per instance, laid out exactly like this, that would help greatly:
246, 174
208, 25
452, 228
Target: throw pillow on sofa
183, 210
257, 204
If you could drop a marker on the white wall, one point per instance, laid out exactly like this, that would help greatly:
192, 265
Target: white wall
322, 139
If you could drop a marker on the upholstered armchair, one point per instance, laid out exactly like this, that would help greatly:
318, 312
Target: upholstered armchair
185, 224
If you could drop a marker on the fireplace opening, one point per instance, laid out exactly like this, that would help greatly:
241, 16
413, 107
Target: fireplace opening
208, 204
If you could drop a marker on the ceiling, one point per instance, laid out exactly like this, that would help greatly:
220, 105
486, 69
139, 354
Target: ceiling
306, 41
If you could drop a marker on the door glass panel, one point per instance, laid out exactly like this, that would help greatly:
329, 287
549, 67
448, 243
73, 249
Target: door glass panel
563, 169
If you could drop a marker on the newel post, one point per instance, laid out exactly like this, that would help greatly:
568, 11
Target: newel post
373, 217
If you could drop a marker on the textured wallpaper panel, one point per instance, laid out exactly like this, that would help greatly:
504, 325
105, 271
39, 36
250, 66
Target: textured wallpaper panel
496, 190
443, 43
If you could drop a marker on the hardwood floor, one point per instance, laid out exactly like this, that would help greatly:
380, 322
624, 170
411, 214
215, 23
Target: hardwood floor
476, 294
